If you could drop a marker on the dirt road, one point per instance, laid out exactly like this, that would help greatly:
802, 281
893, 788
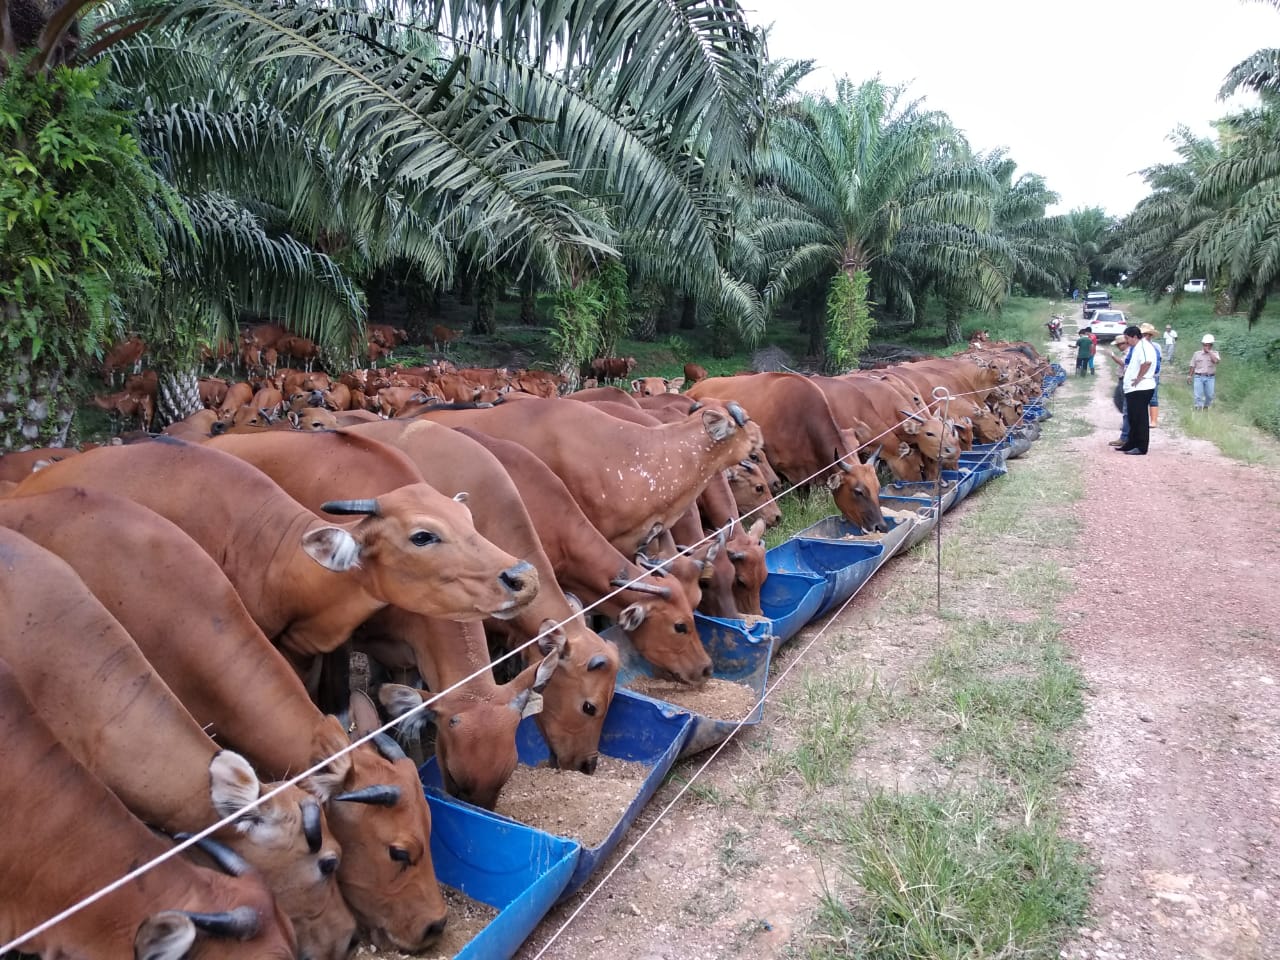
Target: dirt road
1176, 623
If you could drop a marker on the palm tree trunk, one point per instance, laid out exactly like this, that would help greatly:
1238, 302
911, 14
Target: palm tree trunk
36, 407
689, 313
955, 306
178, 396
486, 321
529, 301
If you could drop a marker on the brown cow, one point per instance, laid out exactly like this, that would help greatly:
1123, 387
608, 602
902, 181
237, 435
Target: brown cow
613, 368
60, 813
237, 396
654, 386
693, 373
227, 675
18, 466
308, 584
121, 356
655, 612
299, 348
126, 406
91, 684
582, 687
197, 427
803, 440
442, 336
212, 392
630, 480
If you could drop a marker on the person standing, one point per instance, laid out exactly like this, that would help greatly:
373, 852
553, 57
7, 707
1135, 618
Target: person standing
1120, 356
1204, 367
1170, 342
1084, 351
1094, 337
1139, 385
1149, 333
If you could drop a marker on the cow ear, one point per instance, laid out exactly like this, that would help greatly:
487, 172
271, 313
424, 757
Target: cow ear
460, 496
904, 449
631, 617
364, 715
911, 427
554, 639
834, 481
164, 936
719, 426
756, 530
398, 699
232, 783
333, 548
673, 386
635, 386
543, 674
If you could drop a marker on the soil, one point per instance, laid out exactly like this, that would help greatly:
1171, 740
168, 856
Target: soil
717, 699
571, 804
467, 917
1174, 621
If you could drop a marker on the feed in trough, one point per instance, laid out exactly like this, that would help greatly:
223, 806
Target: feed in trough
718, 699
467, 918
572, 804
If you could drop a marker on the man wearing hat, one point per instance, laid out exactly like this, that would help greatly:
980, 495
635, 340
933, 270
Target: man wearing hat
1153, 409
1139, 384
1204, 366
1170, 342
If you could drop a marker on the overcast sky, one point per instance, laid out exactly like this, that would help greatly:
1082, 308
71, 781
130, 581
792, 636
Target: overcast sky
1083, 93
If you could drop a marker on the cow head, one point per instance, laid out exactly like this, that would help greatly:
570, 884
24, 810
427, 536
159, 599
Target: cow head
671, 641
313, 418
475, 738
578, 694
934, 437
903, 460
751, 493
420, 551
287, 839
856, 491
376, 807
255, 927
745, 550
656, 386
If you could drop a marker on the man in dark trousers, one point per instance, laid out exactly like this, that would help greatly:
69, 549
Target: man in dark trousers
1139, 385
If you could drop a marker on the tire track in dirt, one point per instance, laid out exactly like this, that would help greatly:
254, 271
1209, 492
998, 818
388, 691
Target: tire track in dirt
1174, 620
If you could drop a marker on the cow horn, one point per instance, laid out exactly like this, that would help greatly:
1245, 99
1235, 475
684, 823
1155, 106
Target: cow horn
597, 662
875, 457
380, 795
659, 567
697, 405
641, 587
369, 507
840, 462
238, 924
226, 859
389, 749
311, 825
737, 556
739, 415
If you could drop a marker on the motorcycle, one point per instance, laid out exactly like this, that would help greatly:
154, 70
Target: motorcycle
1055, 328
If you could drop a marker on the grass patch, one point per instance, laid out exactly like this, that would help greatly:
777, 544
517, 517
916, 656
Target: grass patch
950, 876
1227, 429
800, 510
830, 715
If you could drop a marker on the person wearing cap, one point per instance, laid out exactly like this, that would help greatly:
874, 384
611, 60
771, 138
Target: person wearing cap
1139, 384
1204, 366
1170, 342
1153, 409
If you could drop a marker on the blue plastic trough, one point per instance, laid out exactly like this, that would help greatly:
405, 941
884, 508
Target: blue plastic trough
636, 729
926, 514
838, 528
737, 655
951, 494
790, 600
518, 870
844, 564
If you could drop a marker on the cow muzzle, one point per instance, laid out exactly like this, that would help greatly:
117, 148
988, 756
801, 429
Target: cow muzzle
521, 582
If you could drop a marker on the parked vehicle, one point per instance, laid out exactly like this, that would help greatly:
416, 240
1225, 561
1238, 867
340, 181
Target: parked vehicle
1196, 286
1108, 324
1095, 300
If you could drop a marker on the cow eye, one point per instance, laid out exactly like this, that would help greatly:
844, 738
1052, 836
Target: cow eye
400, 855
682, 628
755, 457
328, 866
420, 538
860, 491
589, 708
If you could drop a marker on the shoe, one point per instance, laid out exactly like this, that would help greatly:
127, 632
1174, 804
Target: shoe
1123, 449
1135, 452
1115, 443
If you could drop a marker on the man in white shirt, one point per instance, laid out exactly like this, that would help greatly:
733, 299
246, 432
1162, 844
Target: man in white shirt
1170, 342
1139, 385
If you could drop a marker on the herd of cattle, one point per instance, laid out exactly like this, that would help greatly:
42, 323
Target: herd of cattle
176, 616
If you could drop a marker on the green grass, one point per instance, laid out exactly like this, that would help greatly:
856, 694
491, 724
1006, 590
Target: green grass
947, 876
1248, 381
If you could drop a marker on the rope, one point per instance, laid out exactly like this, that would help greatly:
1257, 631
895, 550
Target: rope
230, 819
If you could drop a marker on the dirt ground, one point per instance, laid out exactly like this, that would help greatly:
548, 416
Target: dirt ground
1174, 620
1176, 789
